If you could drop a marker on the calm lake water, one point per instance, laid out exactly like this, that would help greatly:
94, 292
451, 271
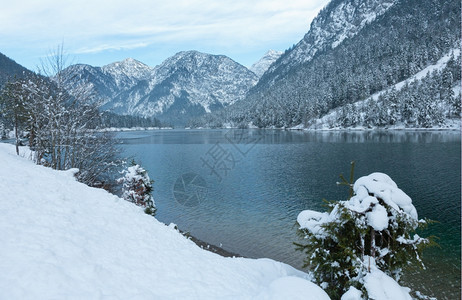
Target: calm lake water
243, 189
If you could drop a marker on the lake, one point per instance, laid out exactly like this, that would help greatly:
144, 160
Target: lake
243, 189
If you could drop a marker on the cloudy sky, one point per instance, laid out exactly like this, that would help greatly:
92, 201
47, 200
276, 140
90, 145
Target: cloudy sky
100, 32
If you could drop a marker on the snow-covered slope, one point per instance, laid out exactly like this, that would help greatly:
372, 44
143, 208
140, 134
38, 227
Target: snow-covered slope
105, 82
336, 22
90, 80
265, 62
185, 85
63, 240
188, 84
9, 69
127, 72
330, 120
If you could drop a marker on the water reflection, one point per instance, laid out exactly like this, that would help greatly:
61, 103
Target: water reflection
283, 136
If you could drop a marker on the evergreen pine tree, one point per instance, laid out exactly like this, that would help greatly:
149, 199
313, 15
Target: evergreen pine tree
374, 229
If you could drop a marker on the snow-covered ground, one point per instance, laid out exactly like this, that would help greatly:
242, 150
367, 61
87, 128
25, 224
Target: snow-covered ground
60, 239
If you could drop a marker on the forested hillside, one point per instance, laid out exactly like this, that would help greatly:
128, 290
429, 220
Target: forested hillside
409, 37
9, 69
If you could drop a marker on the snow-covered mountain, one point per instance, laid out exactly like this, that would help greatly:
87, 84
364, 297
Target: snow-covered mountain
127, 72
339, 20
265, 62
185, 85
9, 69
356, 49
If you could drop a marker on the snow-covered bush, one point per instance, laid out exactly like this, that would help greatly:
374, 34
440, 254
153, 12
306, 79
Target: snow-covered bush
370, 235
137, 188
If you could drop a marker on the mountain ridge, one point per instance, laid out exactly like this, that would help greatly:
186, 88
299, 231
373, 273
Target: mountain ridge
393, 46
187, 84
9, 69
336, 21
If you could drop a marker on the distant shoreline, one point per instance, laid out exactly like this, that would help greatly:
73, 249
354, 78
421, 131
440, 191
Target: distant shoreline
211, 247
380, 129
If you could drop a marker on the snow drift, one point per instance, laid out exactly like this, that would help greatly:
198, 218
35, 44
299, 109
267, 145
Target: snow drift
63, 240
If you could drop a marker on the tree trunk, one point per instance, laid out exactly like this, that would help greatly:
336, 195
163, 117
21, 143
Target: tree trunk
372, 253
17, 137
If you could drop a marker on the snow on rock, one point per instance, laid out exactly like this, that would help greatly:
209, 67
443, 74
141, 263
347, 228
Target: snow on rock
61, 239
380, 286
260, 67
189, 83
383, 187
338, 21
128, 69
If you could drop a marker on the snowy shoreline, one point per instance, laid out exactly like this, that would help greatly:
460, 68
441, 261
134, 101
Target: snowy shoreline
62, 239
123, 129
377, 129
213, 248
353, 129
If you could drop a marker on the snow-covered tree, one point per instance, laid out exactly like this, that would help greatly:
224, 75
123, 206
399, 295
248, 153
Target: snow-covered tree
373, 232
60, 127
13, 103
137, 188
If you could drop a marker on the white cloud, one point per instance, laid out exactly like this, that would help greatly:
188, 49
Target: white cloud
104, 47
89, 26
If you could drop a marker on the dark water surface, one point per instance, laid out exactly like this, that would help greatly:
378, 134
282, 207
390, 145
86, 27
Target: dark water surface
243, 189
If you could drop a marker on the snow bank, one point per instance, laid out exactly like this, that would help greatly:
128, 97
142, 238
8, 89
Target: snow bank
352, 294
381, 286
63, 240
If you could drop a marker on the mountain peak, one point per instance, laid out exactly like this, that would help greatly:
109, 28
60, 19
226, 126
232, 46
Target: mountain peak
192, 60
189, 54
128, 63
129, 68
272, 52
338, 21
130, 60
260, 67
